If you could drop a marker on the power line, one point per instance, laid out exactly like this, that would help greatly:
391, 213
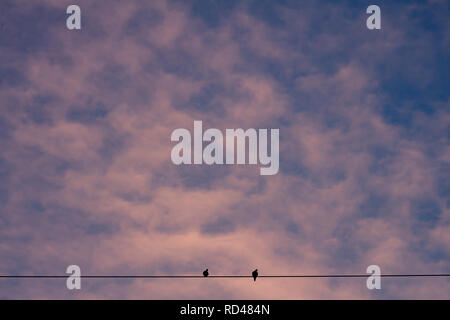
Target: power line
423, 275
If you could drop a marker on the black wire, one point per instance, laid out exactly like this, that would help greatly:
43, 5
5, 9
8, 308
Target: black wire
225, 276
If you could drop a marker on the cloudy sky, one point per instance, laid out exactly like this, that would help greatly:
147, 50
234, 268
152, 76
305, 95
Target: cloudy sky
86, 176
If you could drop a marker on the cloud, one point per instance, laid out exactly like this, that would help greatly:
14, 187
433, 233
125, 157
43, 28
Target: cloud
85, 169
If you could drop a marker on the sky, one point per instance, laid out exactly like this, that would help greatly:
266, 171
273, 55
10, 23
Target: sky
86, 176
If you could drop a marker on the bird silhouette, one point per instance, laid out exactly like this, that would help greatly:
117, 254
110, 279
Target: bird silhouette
205, 273
255, 274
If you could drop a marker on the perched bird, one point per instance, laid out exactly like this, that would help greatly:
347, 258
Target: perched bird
255, 274
205, 273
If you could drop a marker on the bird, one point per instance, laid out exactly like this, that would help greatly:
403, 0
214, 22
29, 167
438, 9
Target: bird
205, 273
255, 274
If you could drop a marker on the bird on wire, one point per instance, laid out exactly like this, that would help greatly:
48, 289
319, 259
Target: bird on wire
255, 274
